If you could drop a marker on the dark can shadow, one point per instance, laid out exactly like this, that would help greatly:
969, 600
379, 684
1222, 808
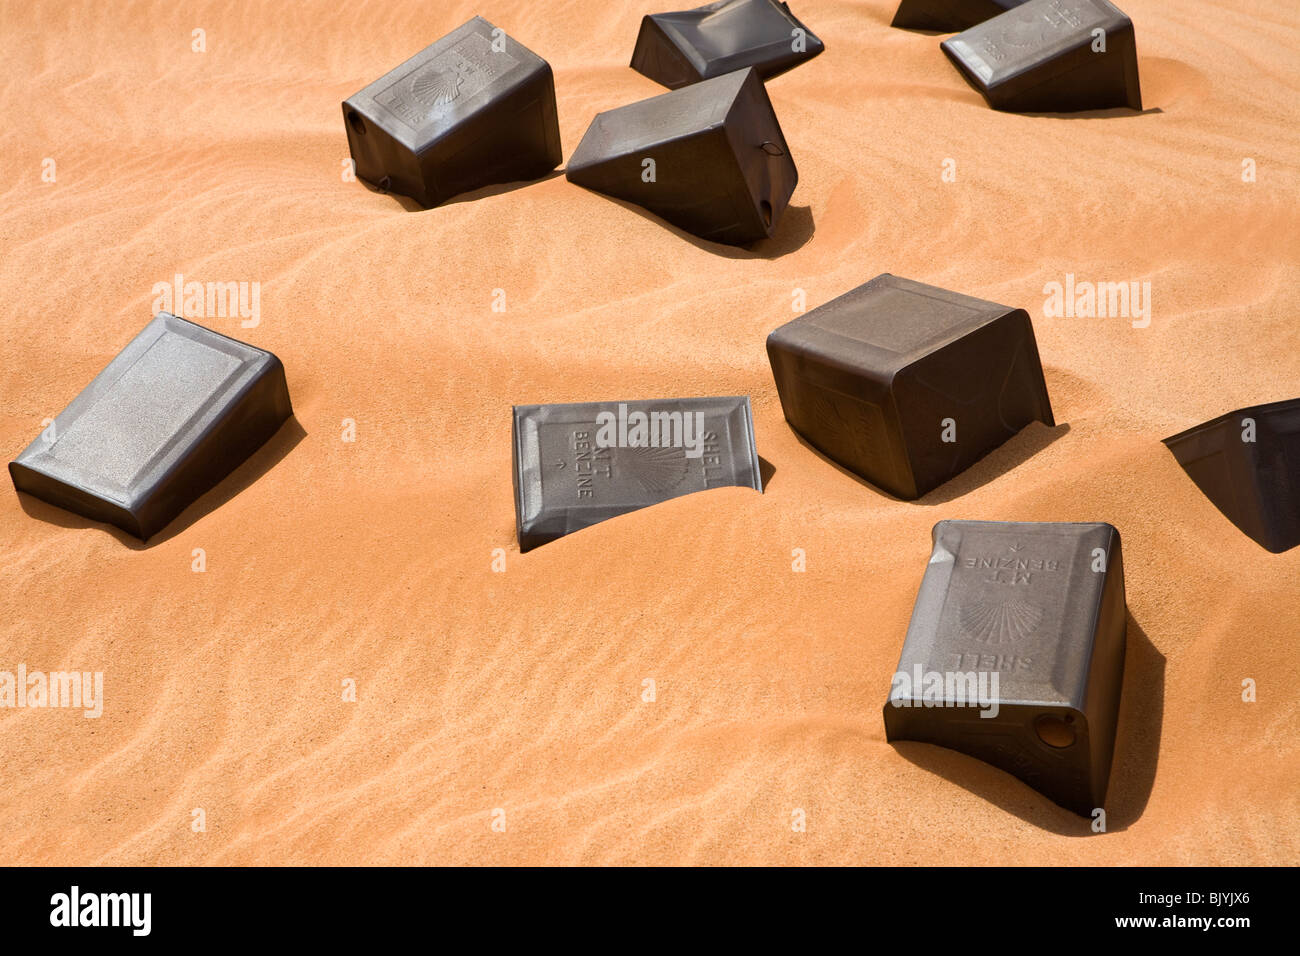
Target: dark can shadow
1137, 737
792, 233
1008, 456
1133, 766
1114, 112
410, 205
499, 189
765, 471
1117, 112
254, 467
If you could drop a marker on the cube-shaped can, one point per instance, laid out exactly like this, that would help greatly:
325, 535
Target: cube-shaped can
684, 47
709, 158
475, 109
581, 463
1015, 653
907, 384
1247, 463
176, 411
1051, 56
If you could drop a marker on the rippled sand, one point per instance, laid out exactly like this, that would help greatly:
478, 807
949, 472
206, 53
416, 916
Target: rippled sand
523, 691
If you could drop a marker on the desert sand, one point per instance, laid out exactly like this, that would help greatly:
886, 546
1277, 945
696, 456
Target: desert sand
522, 691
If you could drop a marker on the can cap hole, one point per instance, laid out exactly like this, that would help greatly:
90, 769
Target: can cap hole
1056, 730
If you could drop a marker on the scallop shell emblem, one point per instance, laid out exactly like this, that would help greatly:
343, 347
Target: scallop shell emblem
1000, 622
437, 87
1032, 28
841, 417
657, 470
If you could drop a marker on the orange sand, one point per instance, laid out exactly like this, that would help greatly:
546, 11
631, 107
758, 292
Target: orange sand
523, 690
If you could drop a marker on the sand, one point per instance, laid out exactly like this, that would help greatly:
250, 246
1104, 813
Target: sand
517, 697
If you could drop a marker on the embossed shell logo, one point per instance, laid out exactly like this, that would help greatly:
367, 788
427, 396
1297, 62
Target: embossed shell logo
1027, 28
846, 419
436, 87
1000, 622
656, 469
